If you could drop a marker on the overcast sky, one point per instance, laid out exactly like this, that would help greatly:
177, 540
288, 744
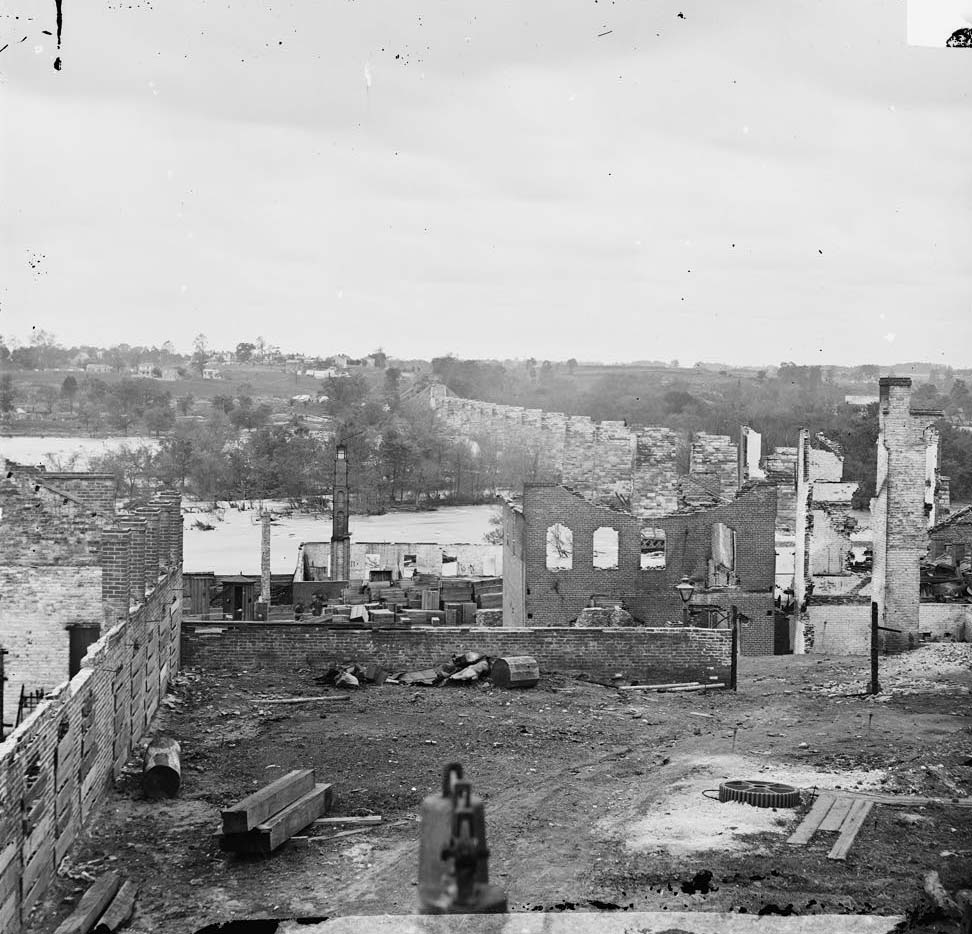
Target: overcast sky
755, 182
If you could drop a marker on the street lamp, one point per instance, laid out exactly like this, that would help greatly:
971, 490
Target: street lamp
685, 588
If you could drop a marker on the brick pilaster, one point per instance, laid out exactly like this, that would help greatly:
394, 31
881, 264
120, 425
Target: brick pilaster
115, 574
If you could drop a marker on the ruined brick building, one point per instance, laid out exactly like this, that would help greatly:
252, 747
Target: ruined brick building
562, 555
823, 551
90, 612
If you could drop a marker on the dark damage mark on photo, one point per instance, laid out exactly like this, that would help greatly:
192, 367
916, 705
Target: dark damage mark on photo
60, 21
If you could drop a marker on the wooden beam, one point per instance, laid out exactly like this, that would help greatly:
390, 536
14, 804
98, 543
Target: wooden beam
808, 826
848, 832
92, 905
266, 837
256, 808
119, 911
837, 813
307, 700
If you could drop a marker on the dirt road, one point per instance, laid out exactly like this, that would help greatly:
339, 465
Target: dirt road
595, 799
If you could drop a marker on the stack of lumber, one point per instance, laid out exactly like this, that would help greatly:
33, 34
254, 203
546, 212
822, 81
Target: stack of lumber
488, 593
268, 818
455, 591
105, 908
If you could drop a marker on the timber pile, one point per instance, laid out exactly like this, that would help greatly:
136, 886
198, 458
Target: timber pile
268, 818
105, 908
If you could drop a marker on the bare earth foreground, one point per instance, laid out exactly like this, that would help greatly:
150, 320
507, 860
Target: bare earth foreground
594, 798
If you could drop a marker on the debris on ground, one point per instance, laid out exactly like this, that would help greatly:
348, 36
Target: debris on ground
463, 668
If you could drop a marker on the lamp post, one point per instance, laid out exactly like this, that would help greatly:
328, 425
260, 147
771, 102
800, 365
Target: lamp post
685, 588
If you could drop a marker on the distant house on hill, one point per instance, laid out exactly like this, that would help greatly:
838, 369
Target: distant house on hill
211, 372
99, 368
861, 402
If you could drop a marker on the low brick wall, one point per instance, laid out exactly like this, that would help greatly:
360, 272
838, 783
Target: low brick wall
640, 655
56, 767
845, 628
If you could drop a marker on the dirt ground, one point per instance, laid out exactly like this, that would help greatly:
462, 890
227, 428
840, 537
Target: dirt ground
595, 799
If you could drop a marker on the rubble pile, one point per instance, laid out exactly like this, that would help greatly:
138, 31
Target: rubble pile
929, 669
465, 668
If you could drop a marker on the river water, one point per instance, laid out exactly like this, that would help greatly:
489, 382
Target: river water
233, 545
57, 453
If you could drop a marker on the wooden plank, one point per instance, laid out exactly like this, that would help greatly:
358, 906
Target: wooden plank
335, 836
348, 821
266, 837
910, 801
808, 826
655, 687
306, 700
837, 813
119, 911
10, 912
256, 808
848, 831
92, 905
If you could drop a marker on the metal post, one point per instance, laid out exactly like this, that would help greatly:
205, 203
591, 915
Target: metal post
3, 680
685, 615
734, 651
875, 685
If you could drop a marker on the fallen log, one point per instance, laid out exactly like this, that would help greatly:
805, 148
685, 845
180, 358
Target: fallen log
516, 671
92, 905
119, 911
307, 700
161, 769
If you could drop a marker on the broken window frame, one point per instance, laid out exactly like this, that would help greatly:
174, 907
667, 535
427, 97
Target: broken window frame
616, 548
656, 535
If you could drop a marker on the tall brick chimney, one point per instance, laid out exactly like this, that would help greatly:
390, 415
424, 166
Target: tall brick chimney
340, 537
801, 536
153, 520
115, 571
900, 509
265, 559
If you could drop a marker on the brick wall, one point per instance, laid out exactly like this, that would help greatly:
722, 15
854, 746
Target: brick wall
597, 459
35, 611
641, 655
556, 598
840, 628
845, 628
57, 766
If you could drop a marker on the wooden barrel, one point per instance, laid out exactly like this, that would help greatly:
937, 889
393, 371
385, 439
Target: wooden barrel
161, 769
517, 671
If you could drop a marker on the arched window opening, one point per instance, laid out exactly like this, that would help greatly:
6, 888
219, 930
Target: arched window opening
560, 548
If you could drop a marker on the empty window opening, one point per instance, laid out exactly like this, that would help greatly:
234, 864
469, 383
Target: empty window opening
606, 549
652, 549
560, 548
722, 562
